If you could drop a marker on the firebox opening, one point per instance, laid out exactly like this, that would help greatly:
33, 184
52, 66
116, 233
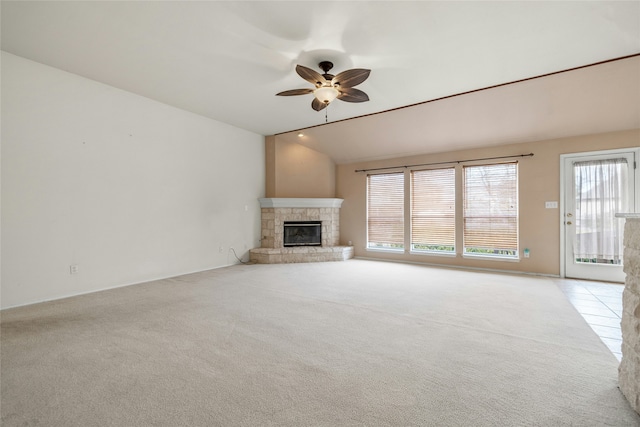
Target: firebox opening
302, 233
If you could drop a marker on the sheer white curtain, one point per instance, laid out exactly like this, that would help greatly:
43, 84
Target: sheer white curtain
601, 188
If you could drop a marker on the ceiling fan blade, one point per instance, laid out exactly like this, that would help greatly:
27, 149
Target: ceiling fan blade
351, 78
295, 92
311, 76
350, 94
318, 105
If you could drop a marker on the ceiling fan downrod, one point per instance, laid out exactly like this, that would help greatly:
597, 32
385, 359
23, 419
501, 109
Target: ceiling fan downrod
326, 66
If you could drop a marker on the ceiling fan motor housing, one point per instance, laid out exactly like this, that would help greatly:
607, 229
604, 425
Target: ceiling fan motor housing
326, 66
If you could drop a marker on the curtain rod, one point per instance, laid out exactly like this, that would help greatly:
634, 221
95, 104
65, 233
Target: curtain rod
444, 163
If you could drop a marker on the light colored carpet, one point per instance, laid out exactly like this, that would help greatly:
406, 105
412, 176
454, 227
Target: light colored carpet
356, 343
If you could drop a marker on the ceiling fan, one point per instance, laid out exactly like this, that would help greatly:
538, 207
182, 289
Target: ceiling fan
329, 87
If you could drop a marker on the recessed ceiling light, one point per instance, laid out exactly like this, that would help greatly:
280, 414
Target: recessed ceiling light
300, 135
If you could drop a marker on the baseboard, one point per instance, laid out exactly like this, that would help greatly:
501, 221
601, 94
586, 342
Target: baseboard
76, 294
462, 267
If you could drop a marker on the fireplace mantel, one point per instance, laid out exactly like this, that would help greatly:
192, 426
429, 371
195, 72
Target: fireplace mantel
282, 202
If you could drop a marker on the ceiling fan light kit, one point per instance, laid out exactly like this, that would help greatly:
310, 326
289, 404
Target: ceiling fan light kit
326, 94
329, 87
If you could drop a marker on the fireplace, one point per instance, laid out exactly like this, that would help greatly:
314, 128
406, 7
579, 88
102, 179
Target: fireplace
302, 233
300, 230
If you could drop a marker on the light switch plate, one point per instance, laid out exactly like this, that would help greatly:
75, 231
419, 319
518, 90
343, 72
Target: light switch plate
551, 205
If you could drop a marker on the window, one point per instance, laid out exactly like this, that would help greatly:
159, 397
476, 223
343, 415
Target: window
489, 206
601, 190
385, 211
433, 207
491, 210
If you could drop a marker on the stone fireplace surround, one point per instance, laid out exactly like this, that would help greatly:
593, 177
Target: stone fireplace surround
275, 211
629, 369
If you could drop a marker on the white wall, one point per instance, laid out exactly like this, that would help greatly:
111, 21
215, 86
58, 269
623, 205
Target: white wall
127, 188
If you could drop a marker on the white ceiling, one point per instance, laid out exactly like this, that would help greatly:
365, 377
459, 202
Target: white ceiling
226, 61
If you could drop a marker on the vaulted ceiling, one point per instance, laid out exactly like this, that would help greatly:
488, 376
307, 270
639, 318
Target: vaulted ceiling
227, 60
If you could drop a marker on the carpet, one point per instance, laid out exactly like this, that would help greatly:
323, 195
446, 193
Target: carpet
355, 343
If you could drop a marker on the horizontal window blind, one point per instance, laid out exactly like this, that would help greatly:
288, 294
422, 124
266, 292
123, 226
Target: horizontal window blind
491, 209
433, 219
385, 211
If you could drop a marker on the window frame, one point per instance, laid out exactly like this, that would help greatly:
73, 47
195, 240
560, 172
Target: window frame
515, 256
412, 212
398, 249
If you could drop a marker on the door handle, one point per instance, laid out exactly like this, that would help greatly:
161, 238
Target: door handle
569, 215
569, 223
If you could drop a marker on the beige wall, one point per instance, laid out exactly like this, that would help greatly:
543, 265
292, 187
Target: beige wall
294, 170
539, 181
270, 166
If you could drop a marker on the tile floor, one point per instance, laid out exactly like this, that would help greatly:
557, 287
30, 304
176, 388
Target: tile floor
600, 304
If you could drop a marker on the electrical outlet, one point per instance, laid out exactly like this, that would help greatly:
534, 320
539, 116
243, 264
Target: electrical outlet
73, 269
